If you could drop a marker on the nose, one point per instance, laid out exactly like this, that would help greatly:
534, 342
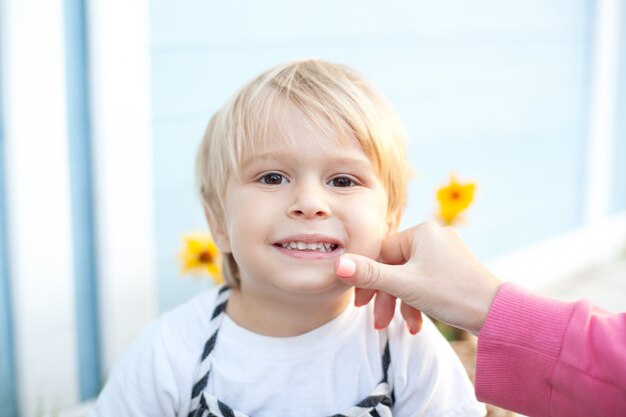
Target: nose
309, 202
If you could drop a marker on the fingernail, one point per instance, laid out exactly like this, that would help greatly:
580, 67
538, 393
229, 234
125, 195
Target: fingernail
346, 267
377, 326
411, 330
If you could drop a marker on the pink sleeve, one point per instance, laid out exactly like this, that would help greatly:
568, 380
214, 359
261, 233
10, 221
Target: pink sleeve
543, 357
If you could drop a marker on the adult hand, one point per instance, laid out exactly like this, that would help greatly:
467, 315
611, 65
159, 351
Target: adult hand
430, 269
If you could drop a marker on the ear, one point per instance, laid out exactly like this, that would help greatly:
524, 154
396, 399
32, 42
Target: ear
218, 233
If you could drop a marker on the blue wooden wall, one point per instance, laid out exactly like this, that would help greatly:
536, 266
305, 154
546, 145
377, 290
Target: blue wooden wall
618, 193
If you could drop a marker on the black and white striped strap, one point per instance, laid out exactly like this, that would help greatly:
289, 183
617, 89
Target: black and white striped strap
209, 350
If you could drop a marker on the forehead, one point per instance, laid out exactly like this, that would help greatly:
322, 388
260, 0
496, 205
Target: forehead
288, 131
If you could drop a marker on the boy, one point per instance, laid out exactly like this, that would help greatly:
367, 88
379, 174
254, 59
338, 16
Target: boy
306, 162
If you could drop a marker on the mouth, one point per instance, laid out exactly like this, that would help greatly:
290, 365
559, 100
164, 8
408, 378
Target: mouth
309, 246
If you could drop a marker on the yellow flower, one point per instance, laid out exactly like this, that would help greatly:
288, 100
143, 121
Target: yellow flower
453, 199
200, 256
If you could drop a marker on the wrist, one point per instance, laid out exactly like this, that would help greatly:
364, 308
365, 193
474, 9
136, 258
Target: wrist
485, 301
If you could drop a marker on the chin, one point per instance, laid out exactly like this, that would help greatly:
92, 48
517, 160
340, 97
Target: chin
316, 285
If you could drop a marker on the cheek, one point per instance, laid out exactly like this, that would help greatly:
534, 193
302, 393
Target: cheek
235, 223
241, 233
368, 225
248, 221
377, 214
240, 229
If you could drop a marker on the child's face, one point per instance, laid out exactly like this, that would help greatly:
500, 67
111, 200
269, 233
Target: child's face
295, 209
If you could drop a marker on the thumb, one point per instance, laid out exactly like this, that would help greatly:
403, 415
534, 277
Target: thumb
364, 272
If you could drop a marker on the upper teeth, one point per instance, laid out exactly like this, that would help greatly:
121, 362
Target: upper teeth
319, 246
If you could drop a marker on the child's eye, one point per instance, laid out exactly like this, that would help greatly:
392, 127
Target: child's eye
273, 178
342, 182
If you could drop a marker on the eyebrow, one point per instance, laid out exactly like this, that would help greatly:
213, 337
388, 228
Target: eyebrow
275, 155
337, 160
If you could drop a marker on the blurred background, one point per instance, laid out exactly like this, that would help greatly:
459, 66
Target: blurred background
103, 103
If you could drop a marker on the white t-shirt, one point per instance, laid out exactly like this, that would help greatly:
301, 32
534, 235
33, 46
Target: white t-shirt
319, 373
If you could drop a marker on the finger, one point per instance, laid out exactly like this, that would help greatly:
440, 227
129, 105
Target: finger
412, 317
397, 248
363, 272
363, 296
384, 307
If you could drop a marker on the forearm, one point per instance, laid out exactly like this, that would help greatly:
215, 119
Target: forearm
545, 357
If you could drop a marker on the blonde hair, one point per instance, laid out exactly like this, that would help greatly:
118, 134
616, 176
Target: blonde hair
331, 96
